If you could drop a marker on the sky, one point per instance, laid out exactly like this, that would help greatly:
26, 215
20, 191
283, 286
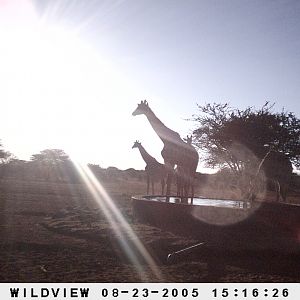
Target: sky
72, 72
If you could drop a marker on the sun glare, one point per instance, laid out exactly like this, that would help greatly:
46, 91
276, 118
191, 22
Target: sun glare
57, 88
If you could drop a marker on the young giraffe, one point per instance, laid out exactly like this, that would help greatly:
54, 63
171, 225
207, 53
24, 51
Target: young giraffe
154, 170
175, 151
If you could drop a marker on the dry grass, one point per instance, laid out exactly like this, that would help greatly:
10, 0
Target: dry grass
55, 232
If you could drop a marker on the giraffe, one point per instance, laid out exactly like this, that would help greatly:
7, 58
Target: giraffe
154, 169
175, 150
278, 170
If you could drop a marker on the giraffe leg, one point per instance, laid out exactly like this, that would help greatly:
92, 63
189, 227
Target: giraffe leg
152, 183
284, 190
186, 190
148, 182
178, 185
169, 180
170, 169
169, 183
281, 192
192, 190
163, 186
278, 191
179, 182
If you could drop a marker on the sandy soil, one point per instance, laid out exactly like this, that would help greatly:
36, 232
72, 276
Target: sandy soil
54, 232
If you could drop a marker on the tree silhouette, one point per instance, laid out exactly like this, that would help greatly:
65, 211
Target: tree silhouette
233, 137
51, 164
248, 142
51, 157
2, 152
6, 156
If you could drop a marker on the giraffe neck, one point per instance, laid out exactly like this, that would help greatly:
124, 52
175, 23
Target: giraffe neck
145, 155
164, 133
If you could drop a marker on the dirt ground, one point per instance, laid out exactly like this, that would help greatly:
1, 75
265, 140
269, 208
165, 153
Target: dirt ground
58, 232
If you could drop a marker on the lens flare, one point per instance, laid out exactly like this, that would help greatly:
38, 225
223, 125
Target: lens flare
128, 240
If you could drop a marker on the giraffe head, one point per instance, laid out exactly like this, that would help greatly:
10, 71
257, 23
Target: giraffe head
189, 139
142, 108
136, 144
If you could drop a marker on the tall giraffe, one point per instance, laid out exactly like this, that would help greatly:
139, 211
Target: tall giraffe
175, 151
154, 170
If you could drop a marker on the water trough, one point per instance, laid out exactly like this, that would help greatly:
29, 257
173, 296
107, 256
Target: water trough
224, 222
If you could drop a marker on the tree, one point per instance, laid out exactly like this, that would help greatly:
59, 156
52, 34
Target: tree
51, 157
2, 152
234, 138
51, 164
257, 145
6, 156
